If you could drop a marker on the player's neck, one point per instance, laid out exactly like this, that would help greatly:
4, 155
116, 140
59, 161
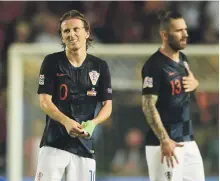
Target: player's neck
169, 52
76, 58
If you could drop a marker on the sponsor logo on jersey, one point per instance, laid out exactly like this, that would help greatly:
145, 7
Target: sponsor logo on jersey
94, 76
91, 92
148, 82
41, 79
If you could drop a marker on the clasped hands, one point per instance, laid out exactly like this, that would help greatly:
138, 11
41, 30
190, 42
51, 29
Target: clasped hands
84, 130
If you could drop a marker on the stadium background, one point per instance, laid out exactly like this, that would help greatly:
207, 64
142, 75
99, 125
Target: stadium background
120, 139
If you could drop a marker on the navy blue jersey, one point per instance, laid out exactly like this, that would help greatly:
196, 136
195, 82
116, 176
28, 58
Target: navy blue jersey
76, 91
163, 77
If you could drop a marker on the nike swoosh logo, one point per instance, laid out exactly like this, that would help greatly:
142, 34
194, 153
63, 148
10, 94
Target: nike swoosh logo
60, 75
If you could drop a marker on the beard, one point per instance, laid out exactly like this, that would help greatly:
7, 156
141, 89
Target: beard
174, 44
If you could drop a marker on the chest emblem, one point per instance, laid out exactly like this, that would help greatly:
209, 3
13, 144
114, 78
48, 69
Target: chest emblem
94, 76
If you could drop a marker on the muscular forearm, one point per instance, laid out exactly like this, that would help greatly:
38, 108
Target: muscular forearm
104, 113
152, 116
51, 110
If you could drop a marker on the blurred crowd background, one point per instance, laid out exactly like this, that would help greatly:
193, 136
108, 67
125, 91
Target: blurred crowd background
120, 149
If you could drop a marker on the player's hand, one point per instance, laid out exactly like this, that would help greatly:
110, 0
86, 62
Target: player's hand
88, 127
168, 151
74, 129
83, 134
189, 82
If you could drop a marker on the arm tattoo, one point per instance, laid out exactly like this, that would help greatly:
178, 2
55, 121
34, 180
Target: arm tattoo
152, 116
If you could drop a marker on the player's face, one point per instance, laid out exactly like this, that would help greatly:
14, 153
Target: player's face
177, 34
74, 35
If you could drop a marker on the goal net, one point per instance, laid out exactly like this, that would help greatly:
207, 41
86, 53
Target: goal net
26, 120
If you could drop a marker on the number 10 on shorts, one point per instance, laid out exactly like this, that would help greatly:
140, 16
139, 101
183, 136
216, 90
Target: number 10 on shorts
92, 175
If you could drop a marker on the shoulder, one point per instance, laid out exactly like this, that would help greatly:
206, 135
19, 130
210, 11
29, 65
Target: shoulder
154, 61
51, 60
96, 60
54, 56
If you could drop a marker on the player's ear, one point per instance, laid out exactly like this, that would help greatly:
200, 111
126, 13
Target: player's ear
87, 34
163, 35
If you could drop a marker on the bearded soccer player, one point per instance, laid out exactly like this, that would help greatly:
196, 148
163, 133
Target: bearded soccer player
171, 151
71, 84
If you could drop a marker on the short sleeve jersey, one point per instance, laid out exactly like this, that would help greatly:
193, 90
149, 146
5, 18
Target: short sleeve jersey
162, 76
76, 92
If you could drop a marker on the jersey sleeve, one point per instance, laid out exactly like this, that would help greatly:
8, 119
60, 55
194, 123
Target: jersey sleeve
150, 79
47, 77
105, 83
